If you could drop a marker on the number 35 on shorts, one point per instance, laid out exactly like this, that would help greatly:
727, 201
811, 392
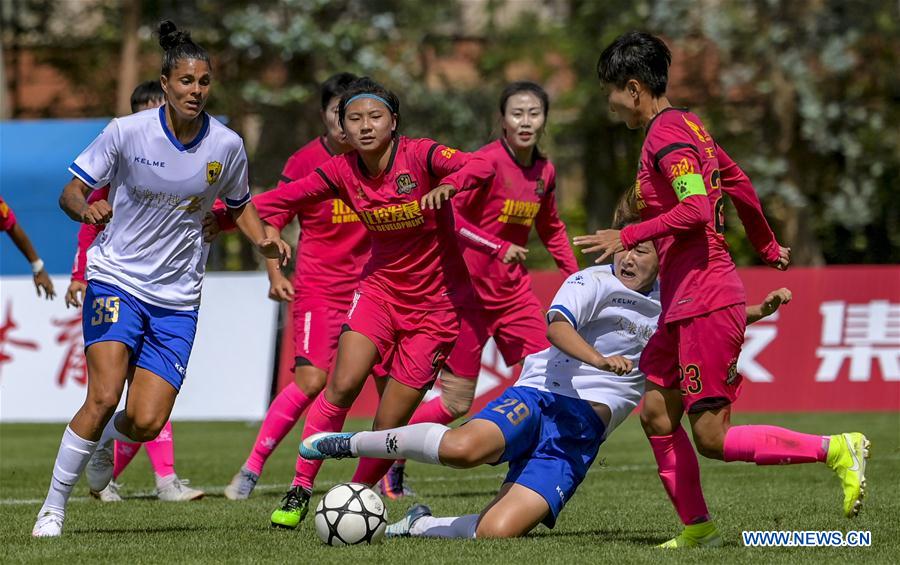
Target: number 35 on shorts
514, 410
689, 379
106, 310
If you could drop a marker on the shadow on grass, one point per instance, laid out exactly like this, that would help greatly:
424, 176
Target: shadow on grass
637, 538
143, 530
467, 494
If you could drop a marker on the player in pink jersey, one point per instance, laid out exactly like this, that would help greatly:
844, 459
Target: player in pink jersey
10, 225
691, 361
520, 193
405, 313
332, 250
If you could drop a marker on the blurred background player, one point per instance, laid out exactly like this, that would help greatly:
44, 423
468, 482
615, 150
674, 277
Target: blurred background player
160, 451
331, 252
141, 307
11, 226
691, 361
520, 193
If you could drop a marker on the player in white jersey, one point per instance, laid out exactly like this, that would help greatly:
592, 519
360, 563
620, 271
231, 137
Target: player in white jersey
550, 424
165, 168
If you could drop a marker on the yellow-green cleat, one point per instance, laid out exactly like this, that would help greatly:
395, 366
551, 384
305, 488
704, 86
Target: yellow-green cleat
293, 509
696, 535
847, 454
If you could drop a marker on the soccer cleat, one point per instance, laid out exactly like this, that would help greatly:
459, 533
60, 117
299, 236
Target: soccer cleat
293, 509
401, 529
173, 489
109, 494
704, 534
326, 445
49, 524
392, 484
241, 485
847, 454
99, 469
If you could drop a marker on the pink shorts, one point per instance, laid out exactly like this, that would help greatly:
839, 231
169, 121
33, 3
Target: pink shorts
317, 327
413, 344
699, 355
519, 329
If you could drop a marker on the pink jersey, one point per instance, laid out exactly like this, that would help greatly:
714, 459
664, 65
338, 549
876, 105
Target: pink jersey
697, 274
489, 220
415, 261
7, 218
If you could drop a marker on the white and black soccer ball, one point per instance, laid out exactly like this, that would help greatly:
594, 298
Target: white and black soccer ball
350, 514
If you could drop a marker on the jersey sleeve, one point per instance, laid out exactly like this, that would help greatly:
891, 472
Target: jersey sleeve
235, 189
284, 200
472, 236
96, 165
477, 170
552, 231
7, 217
87, 233
579, 299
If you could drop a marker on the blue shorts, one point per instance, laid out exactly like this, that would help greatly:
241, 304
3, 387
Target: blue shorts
551, 441
160, 339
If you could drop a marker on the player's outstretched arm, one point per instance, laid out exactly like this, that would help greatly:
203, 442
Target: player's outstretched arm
769, 306
42, 280
247, 220
563, 336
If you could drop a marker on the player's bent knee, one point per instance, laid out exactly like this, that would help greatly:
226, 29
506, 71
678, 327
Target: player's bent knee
102, 403
709, 444
498, 528
310, 380
460, 450
656, 423
146, 427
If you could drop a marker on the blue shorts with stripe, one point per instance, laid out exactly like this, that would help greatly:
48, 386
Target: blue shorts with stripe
551, 441
159, 339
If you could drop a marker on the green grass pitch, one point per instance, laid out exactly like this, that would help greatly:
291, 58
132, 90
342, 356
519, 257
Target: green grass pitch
618, 514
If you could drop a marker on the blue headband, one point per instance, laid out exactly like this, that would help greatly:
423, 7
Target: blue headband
372, 96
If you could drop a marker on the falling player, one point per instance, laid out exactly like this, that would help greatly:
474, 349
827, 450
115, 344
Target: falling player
691, 361
10, 225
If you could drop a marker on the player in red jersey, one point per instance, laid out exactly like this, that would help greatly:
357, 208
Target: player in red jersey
494, 225
691, 361
332, 250
405, 313
10, 225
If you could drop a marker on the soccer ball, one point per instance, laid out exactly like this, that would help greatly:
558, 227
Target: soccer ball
349, 514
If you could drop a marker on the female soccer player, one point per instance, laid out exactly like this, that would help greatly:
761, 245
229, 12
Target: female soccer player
691, 360
521, 194
550, 424
332, 250
145, 272
160, 451
10, 225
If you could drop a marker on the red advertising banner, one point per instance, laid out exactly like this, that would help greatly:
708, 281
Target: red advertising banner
835, 347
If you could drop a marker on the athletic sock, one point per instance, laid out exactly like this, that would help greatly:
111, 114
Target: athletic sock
771, 445
110, 432
283, 413
450, 527
419, 442
432, 411
74, 454
123, 454
161, 452
323, 417
679, 472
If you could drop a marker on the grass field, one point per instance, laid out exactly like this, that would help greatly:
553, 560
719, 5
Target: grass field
618, 514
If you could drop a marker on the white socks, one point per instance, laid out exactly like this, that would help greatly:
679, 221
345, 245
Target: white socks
74, 454
451, 527
419, 442
110, 432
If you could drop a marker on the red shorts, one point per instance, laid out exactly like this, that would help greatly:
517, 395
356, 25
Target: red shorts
518, 329
699, 355
317, 327
413, 344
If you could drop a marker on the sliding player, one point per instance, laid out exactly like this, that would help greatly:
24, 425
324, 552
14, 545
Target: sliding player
10, 225
691, 360
494, 225
165, 169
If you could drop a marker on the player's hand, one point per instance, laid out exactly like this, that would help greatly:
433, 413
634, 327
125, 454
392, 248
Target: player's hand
75, 293
275, 249
99, 212
210, 226
515, 254
439, 195
784, 259
605, 242
280, 288
774, 300
614, 364
42, 282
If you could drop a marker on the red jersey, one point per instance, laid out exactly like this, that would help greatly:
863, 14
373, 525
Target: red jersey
514, 199
7, 218
415, 260
333, 246
697, 274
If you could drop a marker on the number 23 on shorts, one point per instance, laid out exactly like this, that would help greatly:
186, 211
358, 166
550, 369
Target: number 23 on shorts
514, 410
689, 379
106, 310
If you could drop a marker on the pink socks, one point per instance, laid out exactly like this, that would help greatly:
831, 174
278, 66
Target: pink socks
323, 417
680, 475
280, 418
370, 470
771, 445
161, 452
123, 454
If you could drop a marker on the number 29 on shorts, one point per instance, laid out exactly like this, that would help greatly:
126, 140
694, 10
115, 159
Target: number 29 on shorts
514, 410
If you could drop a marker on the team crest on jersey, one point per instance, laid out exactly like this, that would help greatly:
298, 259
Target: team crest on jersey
540, 188
732, 373
213, 171
405, 184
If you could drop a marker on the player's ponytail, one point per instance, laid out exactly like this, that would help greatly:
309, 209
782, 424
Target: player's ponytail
178, 45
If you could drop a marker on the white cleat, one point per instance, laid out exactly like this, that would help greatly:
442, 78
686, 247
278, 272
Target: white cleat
49, 525
99, 469
109, 494
241, 485
173, 489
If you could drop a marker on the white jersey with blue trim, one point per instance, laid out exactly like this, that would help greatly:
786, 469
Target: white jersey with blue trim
160, 189
615, 320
